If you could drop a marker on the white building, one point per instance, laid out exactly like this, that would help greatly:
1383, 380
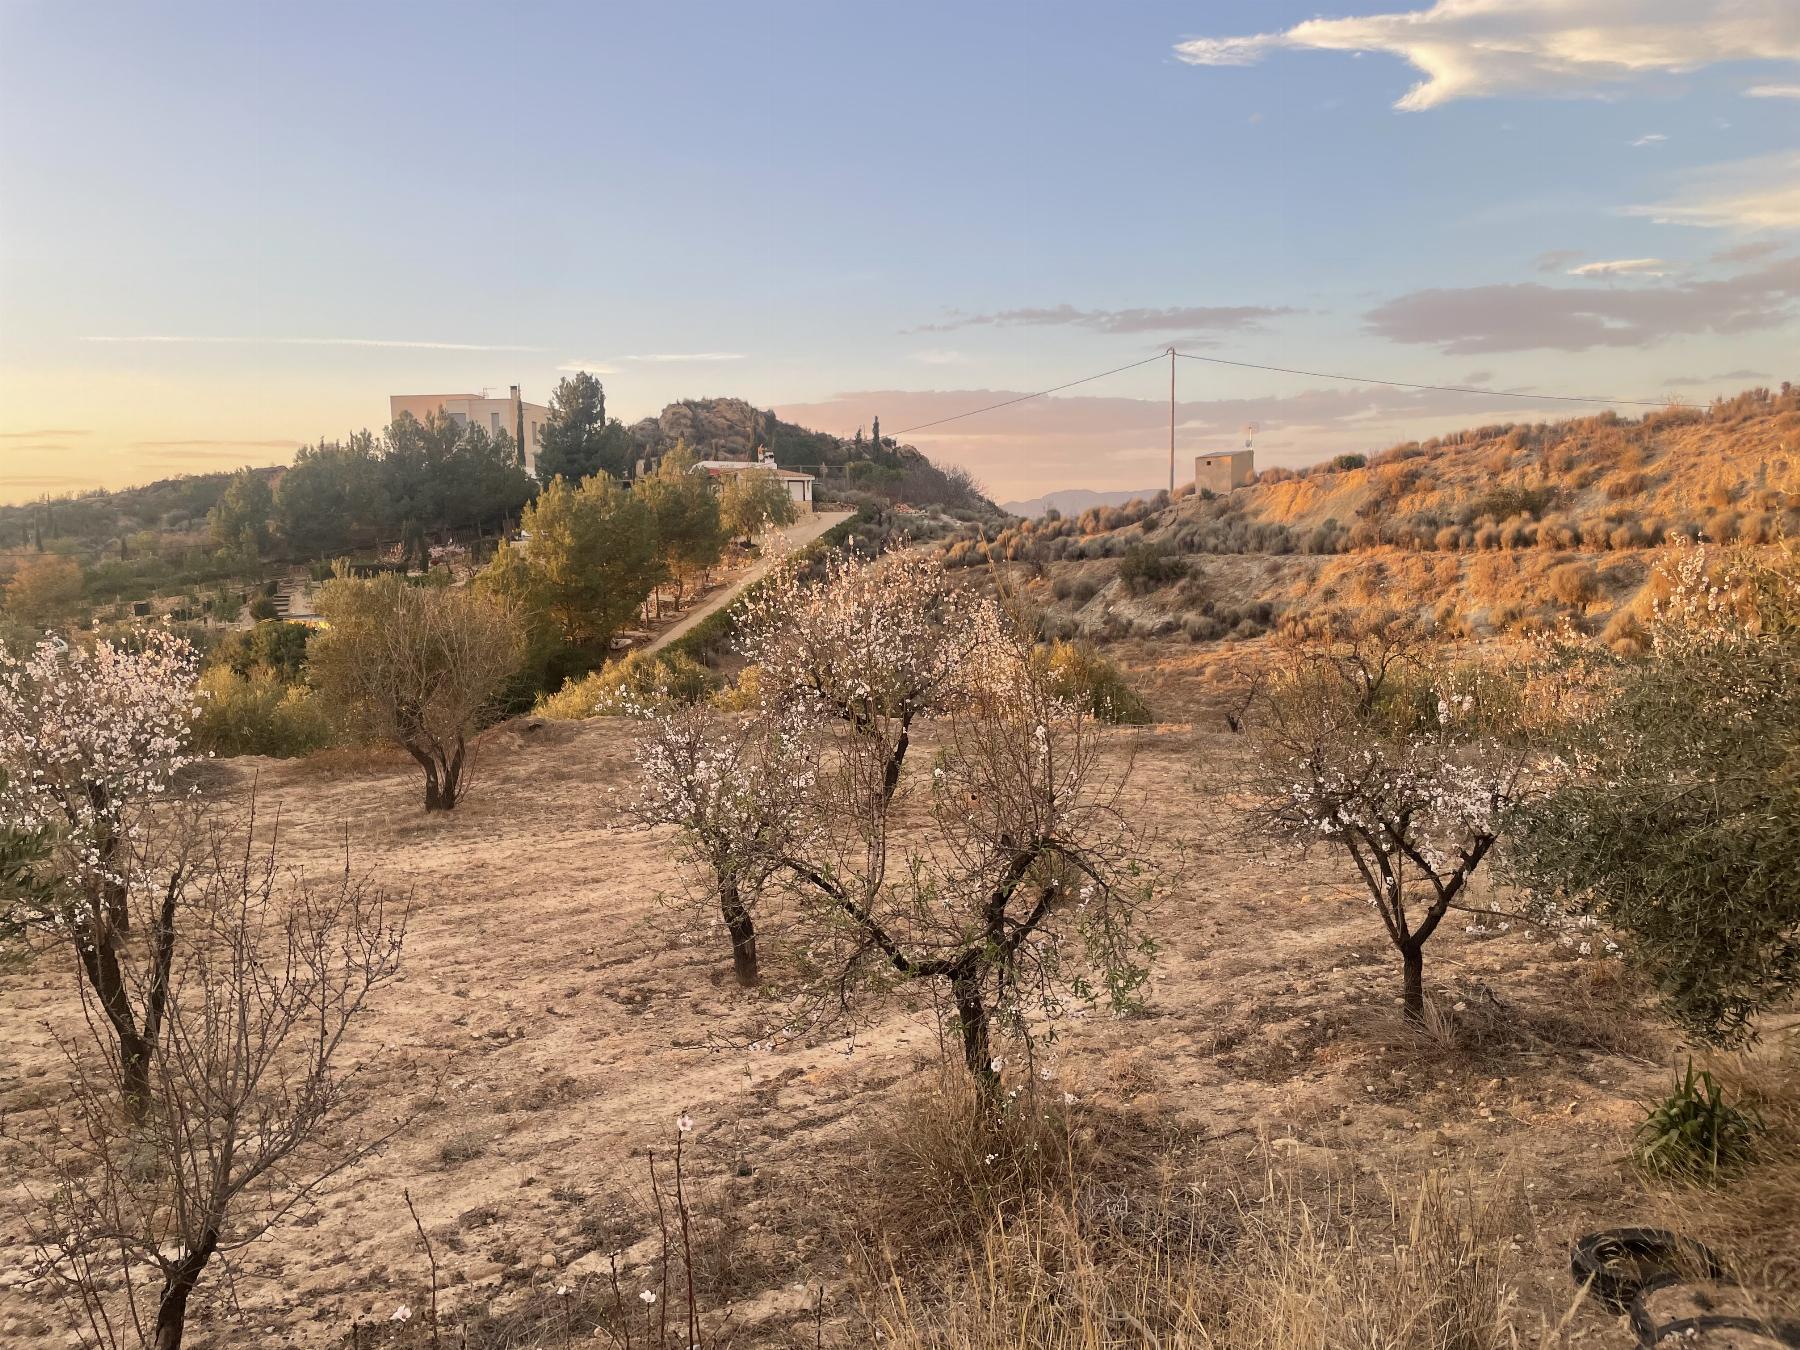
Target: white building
511, 414
799, 485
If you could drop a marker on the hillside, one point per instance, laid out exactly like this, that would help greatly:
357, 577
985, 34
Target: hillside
730, 428
1489, 530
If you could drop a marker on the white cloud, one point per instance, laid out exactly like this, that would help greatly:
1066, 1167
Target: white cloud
317, 342
572, 367
1614, 267
1484, 48
1773, 91
1654, 138
1751, 194
688, 356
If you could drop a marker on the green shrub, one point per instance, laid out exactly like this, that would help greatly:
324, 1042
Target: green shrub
1680, 830
1147, 567
1079, 672
639, 680
1694, 1132
259, 714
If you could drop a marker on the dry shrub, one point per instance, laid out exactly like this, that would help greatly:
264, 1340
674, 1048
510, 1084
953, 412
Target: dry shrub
942, 1166
1435, 1269
1627, 485
1574, 584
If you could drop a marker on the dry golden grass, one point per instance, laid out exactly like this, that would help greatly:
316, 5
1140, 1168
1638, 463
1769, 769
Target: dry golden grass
1295, 1263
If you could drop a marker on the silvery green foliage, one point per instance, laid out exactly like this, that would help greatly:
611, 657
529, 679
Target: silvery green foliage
1673, 814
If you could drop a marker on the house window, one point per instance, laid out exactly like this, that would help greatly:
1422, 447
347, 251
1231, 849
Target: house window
494, 421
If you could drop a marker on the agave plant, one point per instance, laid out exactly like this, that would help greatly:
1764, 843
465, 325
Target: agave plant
1694, 1132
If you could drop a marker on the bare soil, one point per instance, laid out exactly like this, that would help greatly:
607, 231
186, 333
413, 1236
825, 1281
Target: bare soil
547, 1031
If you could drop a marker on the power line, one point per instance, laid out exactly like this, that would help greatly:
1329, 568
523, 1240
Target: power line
1440, 388
1024, 398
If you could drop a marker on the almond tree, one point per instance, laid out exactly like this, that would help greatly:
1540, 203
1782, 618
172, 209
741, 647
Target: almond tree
1015, 884
728, 782
876, 645
89, 737
263, 979
1371, 744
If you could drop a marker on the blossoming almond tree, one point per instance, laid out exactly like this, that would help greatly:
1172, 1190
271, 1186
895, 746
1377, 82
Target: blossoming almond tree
728, 782
876, 645
261, 983
1373, 744
88, 737
1019, 887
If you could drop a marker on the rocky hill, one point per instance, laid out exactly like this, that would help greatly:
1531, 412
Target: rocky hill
730, 428
1492, 530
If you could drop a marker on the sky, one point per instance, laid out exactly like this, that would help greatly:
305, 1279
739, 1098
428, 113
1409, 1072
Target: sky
227, 229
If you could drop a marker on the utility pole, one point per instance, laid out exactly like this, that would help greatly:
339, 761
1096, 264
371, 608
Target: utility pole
1171, 421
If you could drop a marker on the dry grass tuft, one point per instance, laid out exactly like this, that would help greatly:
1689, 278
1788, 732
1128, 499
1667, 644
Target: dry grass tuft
1433, 1270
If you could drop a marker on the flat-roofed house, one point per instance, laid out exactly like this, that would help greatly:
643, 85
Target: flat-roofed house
517, 418
799, 485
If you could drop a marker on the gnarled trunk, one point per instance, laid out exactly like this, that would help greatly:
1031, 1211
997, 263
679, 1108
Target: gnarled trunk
743, 933
171, 1310
977, 1041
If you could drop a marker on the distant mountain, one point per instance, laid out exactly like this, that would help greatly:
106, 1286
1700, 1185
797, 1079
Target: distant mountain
1073, 501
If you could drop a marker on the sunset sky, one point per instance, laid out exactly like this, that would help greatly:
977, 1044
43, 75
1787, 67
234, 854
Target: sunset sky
229, 228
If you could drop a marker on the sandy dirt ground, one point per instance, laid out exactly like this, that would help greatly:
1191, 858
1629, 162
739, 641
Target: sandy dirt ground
546, 1031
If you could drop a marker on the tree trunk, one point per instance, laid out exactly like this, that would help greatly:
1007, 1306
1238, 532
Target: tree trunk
100, 963
171, 1311
743, 933
1413, 988
452, 778
972, 1022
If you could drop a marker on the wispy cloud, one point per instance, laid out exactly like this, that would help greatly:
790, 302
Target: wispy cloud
591, 367
404, 343
1167, 320
688, 356
1650, 138
1773, 91
39, 435
1677, 381
1762, 193
202, 445
1618, 267
1484, 48
1530, 316
1554, 260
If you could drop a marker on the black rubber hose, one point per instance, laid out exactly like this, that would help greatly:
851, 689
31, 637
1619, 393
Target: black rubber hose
1615, 1264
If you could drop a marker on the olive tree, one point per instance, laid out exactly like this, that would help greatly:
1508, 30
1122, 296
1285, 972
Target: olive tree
1380, 747
420, 666
751, 500
1673, 816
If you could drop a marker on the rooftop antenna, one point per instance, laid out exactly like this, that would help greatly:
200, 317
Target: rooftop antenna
1249, 435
